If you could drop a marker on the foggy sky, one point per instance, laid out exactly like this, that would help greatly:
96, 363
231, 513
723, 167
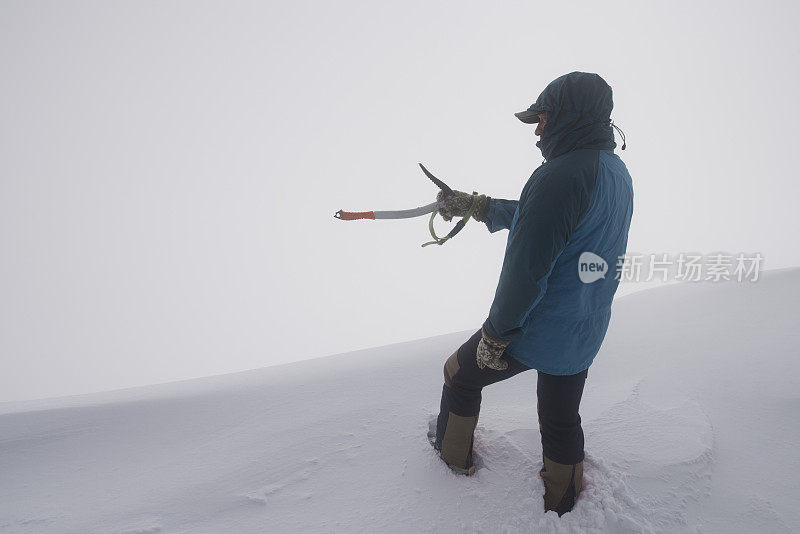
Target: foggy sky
169, 170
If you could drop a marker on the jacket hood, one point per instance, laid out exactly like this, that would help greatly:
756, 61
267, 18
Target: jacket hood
578, 107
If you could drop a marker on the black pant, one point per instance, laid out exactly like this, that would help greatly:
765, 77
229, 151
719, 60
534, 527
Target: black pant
559, 399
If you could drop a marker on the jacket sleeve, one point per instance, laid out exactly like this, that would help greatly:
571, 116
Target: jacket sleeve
550, 209
500, 213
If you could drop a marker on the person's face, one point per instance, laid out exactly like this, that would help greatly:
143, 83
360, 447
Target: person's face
542, 121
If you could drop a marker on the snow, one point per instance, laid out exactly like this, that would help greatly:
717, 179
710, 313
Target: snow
690, 414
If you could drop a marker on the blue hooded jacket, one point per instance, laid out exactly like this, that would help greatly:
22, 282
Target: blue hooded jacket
566, 233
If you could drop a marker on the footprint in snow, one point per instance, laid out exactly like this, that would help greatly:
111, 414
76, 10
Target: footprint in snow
289, 482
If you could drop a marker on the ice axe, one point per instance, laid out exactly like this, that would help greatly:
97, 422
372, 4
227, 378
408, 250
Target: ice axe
431, 208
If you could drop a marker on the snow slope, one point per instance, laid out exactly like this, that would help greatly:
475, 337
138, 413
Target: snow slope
690, 413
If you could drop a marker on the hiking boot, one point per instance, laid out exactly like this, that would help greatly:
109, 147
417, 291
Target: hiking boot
468, 471
562, 485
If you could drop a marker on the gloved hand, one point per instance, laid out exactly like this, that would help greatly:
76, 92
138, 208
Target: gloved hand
490, 351
459, 204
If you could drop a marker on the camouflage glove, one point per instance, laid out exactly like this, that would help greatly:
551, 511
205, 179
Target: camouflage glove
459, 204
490, 352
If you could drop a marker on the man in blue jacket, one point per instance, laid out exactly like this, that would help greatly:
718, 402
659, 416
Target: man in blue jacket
552, 305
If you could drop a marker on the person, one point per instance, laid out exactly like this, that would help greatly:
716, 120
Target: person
553, 300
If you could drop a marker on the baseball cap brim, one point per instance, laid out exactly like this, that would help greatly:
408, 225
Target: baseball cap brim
529, 116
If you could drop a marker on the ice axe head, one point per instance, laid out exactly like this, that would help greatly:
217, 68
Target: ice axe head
443, 186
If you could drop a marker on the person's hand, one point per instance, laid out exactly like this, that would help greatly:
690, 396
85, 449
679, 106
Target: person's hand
490, 352
459, 204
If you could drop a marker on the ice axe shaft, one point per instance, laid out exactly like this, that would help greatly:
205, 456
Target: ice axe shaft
394, 214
